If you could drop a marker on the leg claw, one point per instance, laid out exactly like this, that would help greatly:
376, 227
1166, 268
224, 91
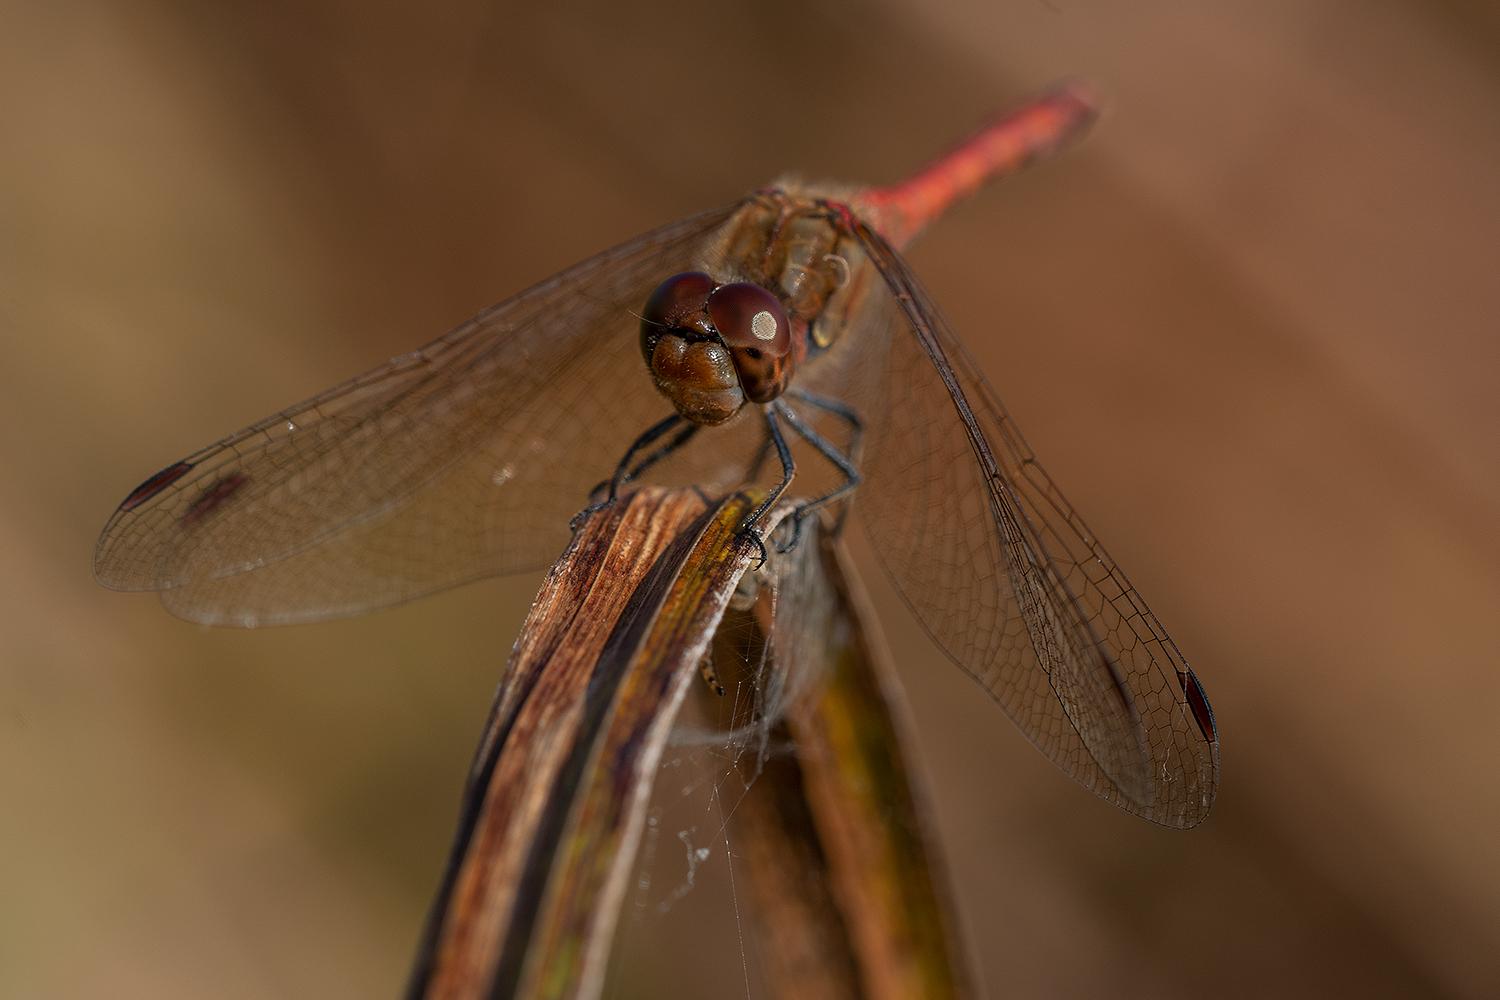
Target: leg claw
796, 535
754, 537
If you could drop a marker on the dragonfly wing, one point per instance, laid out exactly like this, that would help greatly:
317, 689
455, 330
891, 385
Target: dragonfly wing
462, 460
1009, 581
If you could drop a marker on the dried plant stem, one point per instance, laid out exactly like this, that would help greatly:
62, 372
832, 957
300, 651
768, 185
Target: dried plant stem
850, 892
552, 817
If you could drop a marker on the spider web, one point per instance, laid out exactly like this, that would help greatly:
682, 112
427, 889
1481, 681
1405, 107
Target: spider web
688, 898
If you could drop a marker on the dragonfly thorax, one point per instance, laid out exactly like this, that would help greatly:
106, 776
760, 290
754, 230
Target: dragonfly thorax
712, 347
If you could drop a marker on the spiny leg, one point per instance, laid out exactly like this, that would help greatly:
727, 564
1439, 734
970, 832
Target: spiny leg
788, 470
841, 410
681, 438
850, 416
624, 473
825, 447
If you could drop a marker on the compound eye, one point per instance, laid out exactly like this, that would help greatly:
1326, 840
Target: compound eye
754, 327
677, 298
748, 316
673, 305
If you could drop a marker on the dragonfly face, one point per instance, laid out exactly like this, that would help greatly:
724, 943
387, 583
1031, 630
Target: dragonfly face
713, 346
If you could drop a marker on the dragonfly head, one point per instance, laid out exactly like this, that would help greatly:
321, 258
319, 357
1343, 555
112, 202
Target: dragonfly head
712, 347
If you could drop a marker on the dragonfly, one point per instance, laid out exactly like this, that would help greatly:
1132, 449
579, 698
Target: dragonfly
472, 456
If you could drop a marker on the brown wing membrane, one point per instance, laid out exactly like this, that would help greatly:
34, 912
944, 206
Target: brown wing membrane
1013, 586
462, 460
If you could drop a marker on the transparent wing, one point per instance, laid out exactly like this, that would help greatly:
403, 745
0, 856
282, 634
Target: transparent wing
462, 460
1013, 586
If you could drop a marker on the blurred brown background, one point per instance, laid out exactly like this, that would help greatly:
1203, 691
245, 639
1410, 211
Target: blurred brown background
1251, 328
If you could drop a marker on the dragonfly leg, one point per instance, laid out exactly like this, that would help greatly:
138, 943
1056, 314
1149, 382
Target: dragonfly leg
679, 439
624, 473
788, 470
839, 409
845, 464
856, 451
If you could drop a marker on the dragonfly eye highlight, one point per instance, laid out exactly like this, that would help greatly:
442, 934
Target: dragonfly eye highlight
712, 347
755, 328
